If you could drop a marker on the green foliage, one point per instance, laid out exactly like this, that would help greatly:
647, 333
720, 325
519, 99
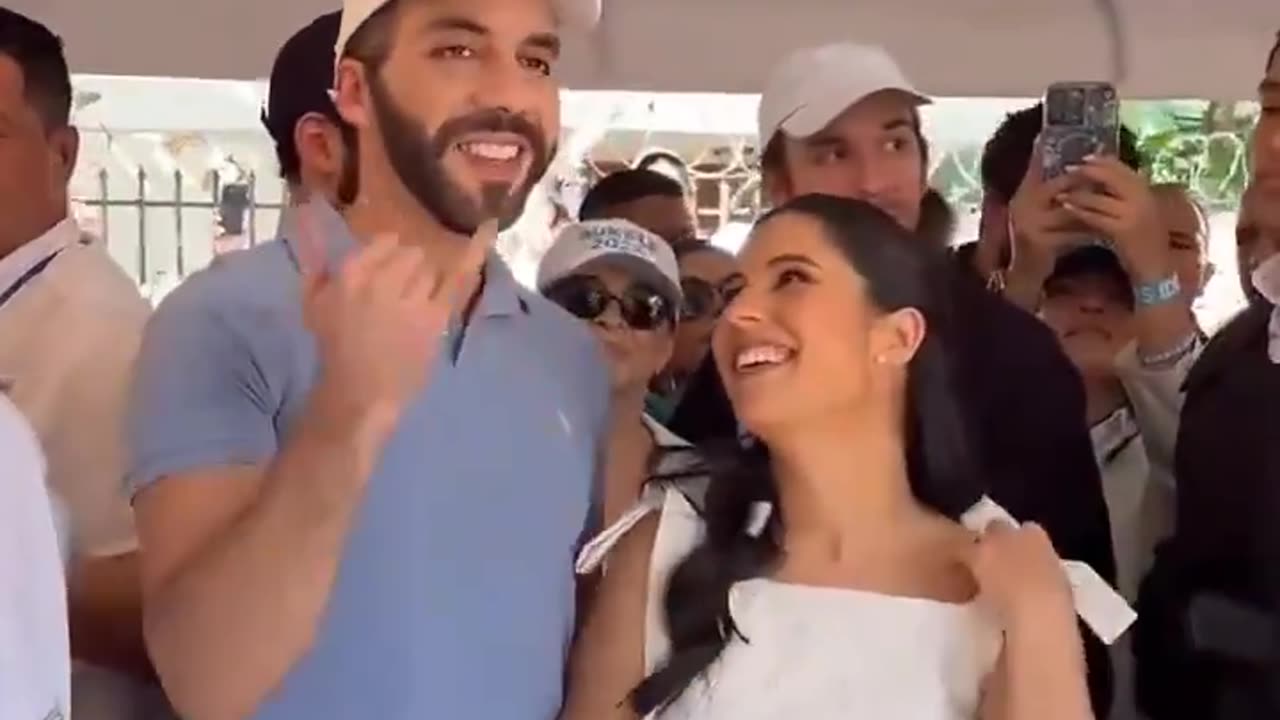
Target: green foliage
1203, 145
1205, 148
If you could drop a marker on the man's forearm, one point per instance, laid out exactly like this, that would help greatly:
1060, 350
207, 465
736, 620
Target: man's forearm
1164, 326
104, 603
227, 627
1164, 329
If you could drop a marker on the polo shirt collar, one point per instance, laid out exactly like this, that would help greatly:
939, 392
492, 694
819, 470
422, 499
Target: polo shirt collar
501, 294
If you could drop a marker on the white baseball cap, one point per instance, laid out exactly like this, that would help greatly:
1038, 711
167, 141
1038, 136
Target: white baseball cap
572, 13
813, 86
621, 242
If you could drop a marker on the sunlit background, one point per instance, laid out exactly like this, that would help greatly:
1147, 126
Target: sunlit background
169, 167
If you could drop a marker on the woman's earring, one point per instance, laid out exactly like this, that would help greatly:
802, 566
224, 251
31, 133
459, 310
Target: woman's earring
881, 359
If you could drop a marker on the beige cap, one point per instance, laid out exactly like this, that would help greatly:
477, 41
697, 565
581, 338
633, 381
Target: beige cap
640, 252
573, 13
813, 86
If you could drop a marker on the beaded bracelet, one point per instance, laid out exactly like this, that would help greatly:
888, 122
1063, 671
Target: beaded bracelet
1173, 355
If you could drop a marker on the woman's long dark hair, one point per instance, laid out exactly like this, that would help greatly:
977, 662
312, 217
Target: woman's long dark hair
901, 271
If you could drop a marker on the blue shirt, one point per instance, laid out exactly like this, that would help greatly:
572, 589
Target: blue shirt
455, 594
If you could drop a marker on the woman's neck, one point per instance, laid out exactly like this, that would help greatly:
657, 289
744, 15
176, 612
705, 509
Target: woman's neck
839, 483
1103, 396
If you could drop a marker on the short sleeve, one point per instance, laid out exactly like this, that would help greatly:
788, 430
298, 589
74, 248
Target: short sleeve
200, 396
599, 406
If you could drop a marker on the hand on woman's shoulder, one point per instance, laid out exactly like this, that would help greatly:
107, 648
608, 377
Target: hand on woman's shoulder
1019, 574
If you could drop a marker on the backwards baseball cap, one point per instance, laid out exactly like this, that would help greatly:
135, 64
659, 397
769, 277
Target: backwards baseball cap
812, 87
572, 13
619, 242
1089, 260
301, 78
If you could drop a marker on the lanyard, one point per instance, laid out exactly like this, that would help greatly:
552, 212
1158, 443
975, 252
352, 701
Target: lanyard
32, 273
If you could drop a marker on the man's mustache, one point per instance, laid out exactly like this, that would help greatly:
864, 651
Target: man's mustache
496, 121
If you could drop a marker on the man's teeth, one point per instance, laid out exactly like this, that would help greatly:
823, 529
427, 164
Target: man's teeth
491, 151
762, 355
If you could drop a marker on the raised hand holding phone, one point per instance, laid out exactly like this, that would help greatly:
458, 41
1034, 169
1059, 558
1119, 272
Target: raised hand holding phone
1039, 229
381, 319
1116, 202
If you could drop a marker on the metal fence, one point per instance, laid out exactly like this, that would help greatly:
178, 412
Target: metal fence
140, 224
234, 208
723, 180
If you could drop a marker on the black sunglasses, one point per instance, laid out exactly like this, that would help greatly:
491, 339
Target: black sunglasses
703, 300
641, 307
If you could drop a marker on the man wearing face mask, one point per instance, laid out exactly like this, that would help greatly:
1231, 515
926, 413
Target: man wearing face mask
843, 120
1227, 541
326, 528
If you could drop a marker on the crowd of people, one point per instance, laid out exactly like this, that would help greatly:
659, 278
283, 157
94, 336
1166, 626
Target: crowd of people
859, 468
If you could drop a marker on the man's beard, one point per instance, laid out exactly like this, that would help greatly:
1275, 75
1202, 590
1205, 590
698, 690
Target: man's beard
418, 161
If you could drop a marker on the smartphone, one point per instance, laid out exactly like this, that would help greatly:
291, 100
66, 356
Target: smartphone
1080, 119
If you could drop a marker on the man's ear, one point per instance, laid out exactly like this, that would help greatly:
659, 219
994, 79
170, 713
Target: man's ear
311, 137
66, 147
350, 94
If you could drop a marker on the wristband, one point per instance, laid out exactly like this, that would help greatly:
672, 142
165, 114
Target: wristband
1157, 293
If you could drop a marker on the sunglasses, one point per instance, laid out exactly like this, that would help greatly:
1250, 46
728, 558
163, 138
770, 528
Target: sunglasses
703, 300
641, 307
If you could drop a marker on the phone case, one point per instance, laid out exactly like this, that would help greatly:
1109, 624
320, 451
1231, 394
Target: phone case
1080, 119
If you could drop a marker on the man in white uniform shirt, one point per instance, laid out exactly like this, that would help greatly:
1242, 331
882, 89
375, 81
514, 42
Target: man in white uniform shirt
34, 659
70, 324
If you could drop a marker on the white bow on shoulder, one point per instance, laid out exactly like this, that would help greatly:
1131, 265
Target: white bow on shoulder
1097, 603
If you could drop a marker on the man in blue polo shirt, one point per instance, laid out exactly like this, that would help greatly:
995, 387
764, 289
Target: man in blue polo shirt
364, 457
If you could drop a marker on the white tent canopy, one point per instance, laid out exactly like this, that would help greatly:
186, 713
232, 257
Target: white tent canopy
1171, 48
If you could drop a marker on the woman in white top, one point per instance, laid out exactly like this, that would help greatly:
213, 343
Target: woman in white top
35, 657
861, 595
624, 282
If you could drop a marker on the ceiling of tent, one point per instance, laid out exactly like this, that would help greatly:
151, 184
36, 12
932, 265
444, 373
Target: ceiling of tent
1171, 48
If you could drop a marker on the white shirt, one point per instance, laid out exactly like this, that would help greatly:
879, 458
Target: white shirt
1134, 448
35, 662
810, 652
68, 339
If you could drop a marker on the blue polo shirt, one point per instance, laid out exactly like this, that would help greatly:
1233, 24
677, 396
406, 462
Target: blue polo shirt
455, 593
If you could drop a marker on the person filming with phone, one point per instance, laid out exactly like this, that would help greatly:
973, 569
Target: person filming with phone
1092, 256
